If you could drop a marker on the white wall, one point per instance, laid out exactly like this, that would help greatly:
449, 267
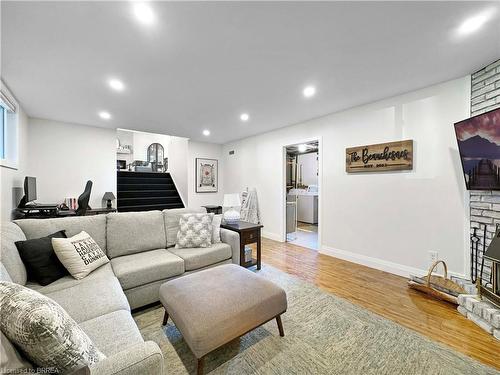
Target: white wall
64, 156
386, 220
177, 166
309, 163
181, 153
11, 179
209, 151
175, 149
125, 137
143, 140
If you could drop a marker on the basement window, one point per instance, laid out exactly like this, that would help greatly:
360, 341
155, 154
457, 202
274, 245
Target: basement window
3, 120
8, 130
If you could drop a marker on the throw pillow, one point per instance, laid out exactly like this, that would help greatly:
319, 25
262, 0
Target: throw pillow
80, 254
44, 331
195, 230
41, 262
216, 222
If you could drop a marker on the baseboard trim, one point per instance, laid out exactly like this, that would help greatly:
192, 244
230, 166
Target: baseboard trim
272, 236
379, 264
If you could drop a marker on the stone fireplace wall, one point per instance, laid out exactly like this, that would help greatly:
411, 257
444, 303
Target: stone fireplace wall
485, 205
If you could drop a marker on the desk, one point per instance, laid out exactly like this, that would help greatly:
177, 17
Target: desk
100, 211
213, 209
34, 213
249, 233
51, 213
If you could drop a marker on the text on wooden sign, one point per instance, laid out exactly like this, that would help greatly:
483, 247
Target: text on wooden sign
392, 156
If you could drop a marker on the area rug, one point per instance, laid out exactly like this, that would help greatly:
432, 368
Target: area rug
324, 334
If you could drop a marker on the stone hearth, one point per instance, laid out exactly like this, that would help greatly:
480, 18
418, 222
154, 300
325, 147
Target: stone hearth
481, 312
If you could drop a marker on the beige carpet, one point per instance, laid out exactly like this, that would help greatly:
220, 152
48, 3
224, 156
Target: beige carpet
324, 334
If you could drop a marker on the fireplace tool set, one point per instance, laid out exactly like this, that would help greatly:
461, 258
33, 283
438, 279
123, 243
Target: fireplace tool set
476, 269
488, 285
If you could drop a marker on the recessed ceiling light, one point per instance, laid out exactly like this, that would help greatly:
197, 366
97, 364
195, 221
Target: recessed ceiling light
302, 148
116, 84
105, 115
244, 117
309, 91
474, 23
206, 132
144, 13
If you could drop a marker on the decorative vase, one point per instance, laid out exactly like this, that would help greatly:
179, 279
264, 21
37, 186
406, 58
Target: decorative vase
231, 216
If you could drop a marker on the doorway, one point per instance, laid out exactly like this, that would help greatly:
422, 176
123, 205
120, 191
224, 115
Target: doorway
302, 194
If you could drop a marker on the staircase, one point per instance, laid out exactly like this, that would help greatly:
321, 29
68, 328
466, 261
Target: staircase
146, 191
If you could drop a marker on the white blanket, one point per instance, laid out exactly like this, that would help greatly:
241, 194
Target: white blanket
250, 207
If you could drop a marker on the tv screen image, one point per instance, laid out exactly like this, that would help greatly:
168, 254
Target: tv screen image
479, 145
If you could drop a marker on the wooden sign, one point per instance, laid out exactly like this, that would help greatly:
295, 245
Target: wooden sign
392, 156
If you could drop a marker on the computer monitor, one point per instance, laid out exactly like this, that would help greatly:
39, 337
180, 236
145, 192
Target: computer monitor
29, 191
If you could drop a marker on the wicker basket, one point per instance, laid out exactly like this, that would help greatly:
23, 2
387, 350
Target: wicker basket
435, 285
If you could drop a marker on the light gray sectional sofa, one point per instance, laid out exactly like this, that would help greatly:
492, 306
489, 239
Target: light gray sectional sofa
141, 248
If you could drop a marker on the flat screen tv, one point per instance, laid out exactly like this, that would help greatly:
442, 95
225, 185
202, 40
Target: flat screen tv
479, 145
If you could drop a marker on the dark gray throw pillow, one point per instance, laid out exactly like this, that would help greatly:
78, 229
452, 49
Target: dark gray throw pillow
41, 262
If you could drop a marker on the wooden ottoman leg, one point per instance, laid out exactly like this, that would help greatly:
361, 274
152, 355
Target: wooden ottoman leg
280, 325
165, 317
199, 371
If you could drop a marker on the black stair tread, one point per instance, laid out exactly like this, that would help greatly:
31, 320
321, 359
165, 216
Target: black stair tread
135, 183
172, 194
131, 187
145, 191
142, 174
150, 191
156, 181
155, 191
148, 198
152, 176
146, 207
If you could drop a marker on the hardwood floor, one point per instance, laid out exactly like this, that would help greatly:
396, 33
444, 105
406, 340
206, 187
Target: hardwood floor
387, 295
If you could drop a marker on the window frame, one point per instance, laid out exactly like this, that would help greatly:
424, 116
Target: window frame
10, 157
2, 131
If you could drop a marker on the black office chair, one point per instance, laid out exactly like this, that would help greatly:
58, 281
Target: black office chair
83, 200
83, 203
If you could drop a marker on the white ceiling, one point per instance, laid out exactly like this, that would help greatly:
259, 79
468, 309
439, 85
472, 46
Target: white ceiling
202, 64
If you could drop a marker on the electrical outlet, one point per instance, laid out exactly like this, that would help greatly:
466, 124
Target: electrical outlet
433, 256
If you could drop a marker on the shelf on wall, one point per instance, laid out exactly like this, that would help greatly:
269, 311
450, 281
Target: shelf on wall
125, 149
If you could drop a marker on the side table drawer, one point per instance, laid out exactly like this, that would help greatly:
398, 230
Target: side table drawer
250, 236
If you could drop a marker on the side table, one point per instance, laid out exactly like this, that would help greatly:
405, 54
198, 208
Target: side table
213, 209
249, 233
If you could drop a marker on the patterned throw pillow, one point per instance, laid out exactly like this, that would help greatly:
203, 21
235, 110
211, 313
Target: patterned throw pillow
44, 331
195, 230
80, 254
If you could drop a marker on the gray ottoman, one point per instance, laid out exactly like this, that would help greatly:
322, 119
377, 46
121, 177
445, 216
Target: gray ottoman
212, 307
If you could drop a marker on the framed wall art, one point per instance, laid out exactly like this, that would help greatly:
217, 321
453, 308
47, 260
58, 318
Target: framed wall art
206, 175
